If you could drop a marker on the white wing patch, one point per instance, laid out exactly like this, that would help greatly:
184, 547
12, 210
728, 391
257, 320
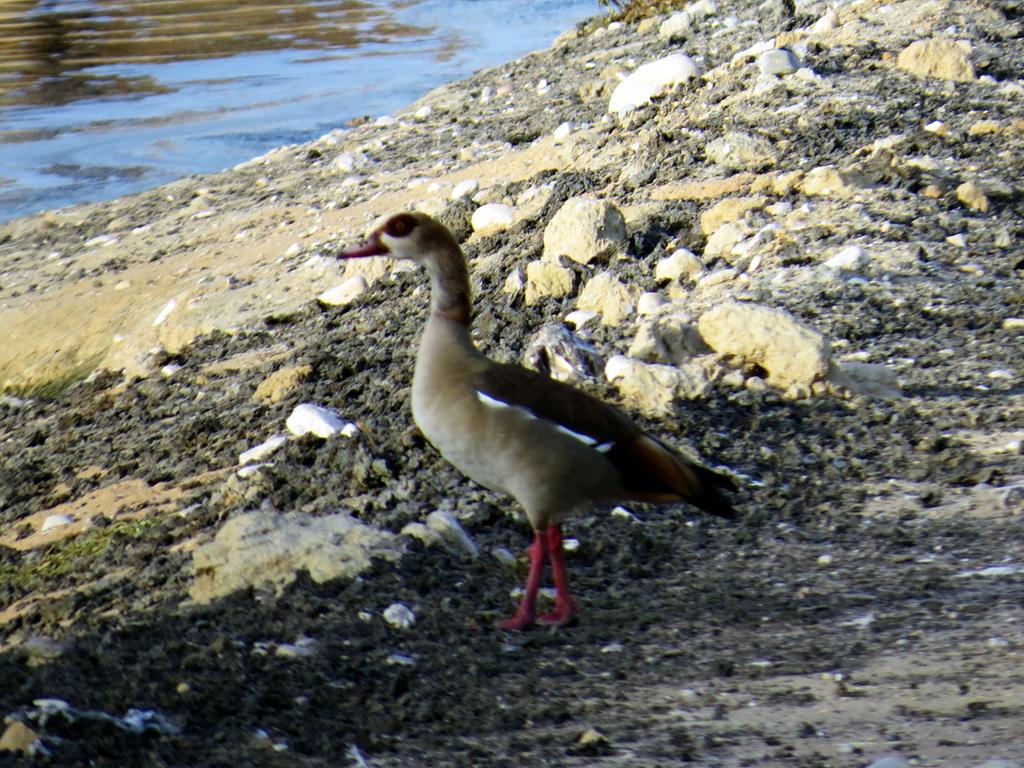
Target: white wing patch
491, 402
587, 440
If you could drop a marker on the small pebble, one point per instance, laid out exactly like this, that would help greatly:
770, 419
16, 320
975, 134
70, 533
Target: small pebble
580, 317
345, 293
778, 61
55, 521
313, 419
399, 615
465, 189
563, 131
264, 449
850, 258
892, 761
650, 302
492, 218
824, 560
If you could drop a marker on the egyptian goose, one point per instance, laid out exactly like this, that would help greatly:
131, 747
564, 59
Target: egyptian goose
512, 430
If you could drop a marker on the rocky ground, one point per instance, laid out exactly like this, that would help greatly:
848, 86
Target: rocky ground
857, 217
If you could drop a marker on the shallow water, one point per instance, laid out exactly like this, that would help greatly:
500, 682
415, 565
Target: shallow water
100, 99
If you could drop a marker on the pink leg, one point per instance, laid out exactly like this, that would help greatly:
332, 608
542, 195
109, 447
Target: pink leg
526, 613
565, 606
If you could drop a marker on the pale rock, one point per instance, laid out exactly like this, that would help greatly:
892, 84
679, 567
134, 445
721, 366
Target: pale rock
676, 25
448, 527
546, 278
789, 351
55, 521
680, 263
563, 131
700, 9
650, 80
740, 151
560, 354
958, 240
652, 388
826, 23
465, 188
585, 229
430, 538
938, 57
728, 210
399, 616
778, 62
165, 312
266, 550
345, 293
492, 218
578, 318
515, 283
308, 418
671, 339
650, 302
971, 195
18, 737
827, 180
1013, 324
612, 299
848, 259
869, 379
281, 383
263, 450
890, 761
724, 240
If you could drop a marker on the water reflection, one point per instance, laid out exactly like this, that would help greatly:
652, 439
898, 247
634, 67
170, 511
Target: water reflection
48, 49
99, 99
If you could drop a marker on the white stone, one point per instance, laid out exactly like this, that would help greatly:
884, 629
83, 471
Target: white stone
676, 25
702, 8
650, 302
449, 528
465, 188
654, 388
650, 80
264, 449
778, 61
891, 761
266, 550
992, 571
585, 229
422, 113
580, 317
170, 369
826, 23
293, 249
308, 418
345, 293
55, 521
345, 162
680, 263
165, 312
612, 299
492, 218
789, 351
563, 131
399, 616
850, 258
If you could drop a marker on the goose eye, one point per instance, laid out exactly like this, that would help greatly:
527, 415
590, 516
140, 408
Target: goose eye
400, 226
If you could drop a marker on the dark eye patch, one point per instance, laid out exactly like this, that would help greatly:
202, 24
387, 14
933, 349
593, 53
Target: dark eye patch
400, 226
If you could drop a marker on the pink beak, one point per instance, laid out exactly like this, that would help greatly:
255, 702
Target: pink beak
372, 247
